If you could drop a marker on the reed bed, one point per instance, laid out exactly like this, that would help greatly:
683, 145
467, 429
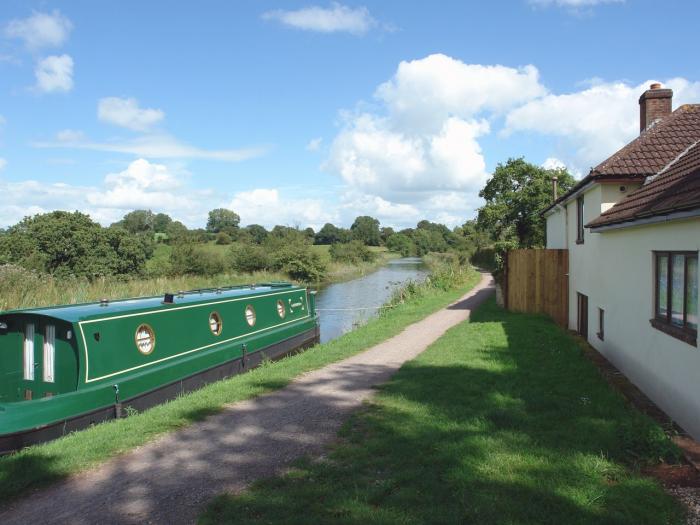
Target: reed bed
20, 288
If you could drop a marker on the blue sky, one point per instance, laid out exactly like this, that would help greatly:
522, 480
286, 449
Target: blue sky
303, 113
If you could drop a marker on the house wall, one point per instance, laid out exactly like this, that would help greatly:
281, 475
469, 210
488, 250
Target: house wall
556, 229
615, 270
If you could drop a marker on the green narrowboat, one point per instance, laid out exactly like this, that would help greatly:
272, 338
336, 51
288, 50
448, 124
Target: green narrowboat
66, 367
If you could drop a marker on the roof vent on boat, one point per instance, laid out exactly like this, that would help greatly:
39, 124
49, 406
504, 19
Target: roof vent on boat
104, 302
168, 298
181, 293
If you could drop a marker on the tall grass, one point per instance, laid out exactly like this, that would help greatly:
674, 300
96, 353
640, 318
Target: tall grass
20, 288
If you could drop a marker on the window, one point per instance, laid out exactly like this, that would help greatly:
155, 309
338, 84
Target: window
215, 323
601, 324
281, 309
582, 315
145, 339
29, 352
579, 220
676, 294
49, 353
250, 315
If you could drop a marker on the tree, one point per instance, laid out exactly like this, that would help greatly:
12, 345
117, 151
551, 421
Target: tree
161, 222
222, 219
331, 234
258, 233
401, 243
64, 244
515, 195
366, 229
385, 233
137, 221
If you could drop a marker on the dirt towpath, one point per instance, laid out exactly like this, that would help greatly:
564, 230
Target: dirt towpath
171, 479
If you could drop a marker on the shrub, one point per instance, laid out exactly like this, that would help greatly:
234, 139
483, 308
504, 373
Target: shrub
195, 260
299, 262
71, 244
249, 258
223, 238
352, 252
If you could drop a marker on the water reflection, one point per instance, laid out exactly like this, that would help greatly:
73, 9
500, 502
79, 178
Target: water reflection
342, 306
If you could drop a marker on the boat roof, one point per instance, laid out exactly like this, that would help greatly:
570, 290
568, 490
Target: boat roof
80, 312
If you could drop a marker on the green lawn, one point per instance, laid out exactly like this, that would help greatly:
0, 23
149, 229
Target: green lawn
502, 421
43, 464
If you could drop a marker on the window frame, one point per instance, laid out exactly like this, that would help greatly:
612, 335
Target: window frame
579, 219
664, 323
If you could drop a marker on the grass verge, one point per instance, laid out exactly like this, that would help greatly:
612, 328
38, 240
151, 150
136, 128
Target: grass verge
42, 464
501, 421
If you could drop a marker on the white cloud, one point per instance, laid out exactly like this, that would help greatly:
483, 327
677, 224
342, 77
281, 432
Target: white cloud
425, 92
594, 122
152, 146
553, 163
265, 206
369, 155
435, 110
3, 163
140, 185
54, 73
41, 30
314, 144
332, 19
125, 112
418, 155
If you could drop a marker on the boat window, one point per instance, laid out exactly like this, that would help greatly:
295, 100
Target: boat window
250, 315
29, 352
281, 310
49, 353
145, 339
215, 323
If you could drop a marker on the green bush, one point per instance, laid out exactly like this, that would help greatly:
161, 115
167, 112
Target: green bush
299, 262
249, 258
223, 238
189, 259
352, 252
72, 244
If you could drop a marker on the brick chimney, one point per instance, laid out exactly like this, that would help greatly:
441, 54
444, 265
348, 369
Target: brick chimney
654, 104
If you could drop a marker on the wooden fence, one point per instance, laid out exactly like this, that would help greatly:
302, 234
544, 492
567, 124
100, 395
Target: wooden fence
537, 281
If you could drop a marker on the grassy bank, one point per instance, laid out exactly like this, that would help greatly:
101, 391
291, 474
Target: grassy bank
500, 421
24, 289
340, 271
42, 464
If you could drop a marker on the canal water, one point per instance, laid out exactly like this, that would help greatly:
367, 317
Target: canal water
343, 306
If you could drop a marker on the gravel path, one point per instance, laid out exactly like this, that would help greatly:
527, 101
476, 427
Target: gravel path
171, 479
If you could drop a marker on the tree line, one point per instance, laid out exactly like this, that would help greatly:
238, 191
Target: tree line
72, 244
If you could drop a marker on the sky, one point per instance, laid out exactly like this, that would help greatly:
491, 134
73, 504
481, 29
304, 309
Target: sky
301, 113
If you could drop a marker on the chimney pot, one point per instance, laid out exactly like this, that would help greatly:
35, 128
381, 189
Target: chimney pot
654, 105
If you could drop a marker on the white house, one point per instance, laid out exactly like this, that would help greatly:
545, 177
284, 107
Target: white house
632, 228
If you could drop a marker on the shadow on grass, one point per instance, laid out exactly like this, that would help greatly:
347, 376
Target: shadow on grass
501, 421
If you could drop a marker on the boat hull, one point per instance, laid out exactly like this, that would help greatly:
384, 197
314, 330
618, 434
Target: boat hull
142, 401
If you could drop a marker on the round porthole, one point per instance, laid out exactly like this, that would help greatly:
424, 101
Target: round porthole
215, 323
281, 310
145, 339
250, 315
